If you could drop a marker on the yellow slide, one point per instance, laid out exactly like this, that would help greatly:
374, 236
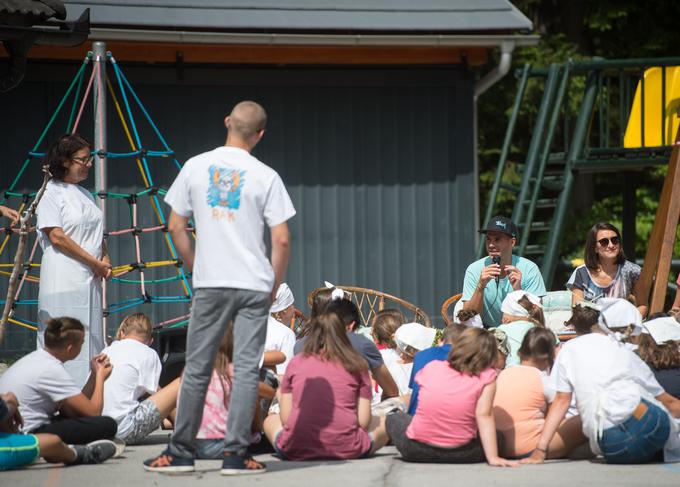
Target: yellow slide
653, 112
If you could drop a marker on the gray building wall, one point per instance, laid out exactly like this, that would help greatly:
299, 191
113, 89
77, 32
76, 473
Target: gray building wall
378, 162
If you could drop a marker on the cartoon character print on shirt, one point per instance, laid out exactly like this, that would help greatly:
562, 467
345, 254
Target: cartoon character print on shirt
224, 191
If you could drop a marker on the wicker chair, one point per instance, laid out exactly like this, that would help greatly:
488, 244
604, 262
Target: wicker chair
448, 308
298, 323
370, 302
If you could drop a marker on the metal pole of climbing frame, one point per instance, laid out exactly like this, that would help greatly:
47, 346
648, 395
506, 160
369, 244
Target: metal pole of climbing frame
100, 143
99, 51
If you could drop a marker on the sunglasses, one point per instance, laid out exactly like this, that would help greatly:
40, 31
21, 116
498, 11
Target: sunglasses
604, 242
83, 160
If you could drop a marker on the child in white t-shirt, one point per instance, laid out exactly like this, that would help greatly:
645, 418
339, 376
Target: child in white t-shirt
624, 411
280, 336
136, 370
49, 400
410, 338
385, 323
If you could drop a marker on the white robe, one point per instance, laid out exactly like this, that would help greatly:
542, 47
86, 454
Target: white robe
67, 287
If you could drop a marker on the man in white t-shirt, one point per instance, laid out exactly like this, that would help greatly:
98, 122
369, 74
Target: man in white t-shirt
231, 196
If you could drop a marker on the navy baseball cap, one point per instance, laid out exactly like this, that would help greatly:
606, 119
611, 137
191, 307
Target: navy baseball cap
501, 224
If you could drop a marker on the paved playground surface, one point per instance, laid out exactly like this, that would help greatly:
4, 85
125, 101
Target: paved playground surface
385, 469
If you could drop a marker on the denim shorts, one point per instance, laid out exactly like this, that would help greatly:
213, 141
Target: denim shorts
636, 440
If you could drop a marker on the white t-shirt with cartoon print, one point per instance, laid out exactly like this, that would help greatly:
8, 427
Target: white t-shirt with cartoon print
231, 196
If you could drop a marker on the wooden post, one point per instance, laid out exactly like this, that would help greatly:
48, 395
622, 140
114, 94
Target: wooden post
657, 263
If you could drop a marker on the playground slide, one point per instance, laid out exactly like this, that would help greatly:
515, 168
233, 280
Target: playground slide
654, 120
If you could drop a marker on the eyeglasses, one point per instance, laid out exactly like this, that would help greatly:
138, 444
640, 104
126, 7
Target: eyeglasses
83, 160
604, 242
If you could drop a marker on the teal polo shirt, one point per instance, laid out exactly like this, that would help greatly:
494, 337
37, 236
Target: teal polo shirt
532, 281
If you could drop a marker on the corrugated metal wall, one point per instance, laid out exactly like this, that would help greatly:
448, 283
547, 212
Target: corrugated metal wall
378, 163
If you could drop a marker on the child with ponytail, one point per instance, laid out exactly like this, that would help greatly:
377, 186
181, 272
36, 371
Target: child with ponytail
325, 404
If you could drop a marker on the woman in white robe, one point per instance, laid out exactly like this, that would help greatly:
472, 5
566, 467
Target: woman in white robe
71, 233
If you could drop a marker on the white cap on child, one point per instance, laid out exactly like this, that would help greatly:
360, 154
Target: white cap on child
619, 313
284, 299
511, 304
662, 329
414, 335
474, 322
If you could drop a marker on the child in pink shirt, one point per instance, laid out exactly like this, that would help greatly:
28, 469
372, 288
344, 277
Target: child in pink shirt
325, 403
453, 422
213, 428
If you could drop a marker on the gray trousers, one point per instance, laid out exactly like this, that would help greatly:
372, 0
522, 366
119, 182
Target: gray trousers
416, 451
212, 310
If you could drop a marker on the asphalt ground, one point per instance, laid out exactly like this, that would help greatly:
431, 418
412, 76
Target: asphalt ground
386, 468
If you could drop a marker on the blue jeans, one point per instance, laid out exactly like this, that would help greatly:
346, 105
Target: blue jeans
636, 440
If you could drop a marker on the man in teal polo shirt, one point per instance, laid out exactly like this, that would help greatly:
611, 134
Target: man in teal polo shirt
487, 283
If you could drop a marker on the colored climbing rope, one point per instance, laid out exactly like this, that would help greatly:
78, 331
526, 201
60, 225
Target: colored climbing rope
135, 278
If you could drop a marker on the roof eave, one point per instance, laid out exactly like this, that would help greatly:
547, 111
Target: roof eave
272, 39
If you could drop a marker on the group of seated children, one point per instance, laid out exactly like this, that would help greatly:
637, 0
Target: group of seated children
506, 396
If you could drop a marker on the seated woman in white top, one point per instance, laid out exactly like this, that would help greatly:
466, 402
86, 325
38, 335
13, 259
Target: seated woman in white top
625, 413
136, 370
280, 337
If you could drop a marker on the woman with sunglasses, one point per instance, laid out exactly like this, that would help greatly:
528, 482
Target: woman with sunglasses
606, 272
75, 258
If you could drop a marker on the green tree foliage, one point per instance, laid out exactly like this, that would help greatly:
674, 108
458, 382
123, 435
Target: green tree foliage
579, 29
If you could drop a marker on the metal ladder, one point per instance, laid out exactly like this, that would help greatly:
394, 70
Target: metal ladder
543, 198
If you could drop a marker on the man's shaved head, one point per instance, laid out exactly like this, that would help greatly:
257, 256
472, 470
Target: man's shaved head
246, 119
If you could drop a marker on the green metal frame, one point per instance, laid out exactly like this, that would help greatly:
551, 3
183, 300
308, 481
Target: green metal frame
593, 125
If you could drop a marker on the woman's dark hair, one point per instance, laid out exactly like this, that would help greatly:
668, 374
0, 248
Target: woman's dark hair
473, 351
224, 357
327, 338
583, 318
346, 310
61, 151
664, 356
385, 324
538, 344
590, 256
320, 300
61, 332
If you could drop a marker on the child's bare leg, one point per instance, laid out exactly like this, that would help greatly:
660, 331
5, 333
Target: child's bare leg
379, 433
166, 399
569, 435
272, 425
53, 450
